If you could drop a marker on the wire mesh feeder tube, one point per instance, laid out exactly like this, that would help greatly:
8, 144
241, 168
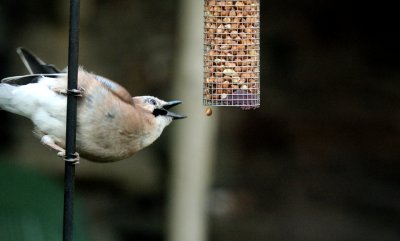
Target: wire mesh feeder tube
232, 53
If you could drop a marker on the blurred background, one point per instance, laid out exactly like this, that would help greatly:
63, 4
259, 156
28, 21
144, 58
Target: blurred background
318, 161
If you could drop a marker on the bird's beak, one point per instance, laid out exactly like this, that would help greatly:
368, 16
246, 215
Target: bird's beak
169, 105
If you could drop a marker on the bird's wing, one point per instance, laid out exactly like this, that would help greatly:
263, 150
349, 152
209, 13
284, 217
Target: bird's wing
115, 88
37, 66
29, 79
38, 69
34, 64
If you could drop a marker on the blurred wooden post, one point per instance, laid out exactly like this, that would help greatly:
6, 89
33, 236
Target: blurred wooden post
194, 139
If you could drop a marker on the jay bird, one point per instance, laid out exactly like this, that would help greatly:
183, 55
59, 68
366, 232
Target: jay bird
111, 124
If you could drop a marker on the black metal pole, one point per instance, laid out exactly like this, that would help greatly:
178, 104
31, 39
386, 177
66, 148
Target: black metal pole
70, 142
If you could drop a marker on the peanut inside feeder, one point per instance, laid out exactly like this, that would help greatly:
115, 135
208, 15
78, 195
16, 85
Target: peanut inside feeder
232, 53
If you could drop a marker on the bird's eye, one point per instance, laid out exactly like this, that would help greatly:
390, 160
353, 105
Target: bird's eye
152, 101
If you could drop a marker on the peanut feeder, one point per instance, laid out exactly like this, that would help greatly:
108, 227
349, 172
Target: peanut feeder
232, 53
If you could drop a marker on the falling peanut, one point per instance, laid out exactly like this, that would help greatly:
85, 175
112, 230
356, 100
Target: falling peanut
208, 111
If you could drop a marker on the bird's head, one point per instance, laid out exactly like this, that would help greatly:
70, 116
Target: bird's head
156, 116
158, 108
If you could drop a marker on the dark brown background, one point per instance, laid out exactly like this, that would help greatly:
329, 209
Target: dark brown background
319, 161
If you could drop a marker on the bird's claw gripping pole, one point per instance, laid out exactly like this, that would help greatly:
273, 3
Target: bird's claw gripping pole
76, 92
74, 159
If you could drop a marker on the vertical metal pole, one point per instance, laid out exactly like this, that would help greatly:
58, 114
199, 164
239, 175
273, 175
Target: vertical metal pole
70, 148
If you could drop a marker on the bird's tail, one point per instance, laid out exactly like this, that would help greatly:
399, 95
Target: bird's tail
34, 64
6, 96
